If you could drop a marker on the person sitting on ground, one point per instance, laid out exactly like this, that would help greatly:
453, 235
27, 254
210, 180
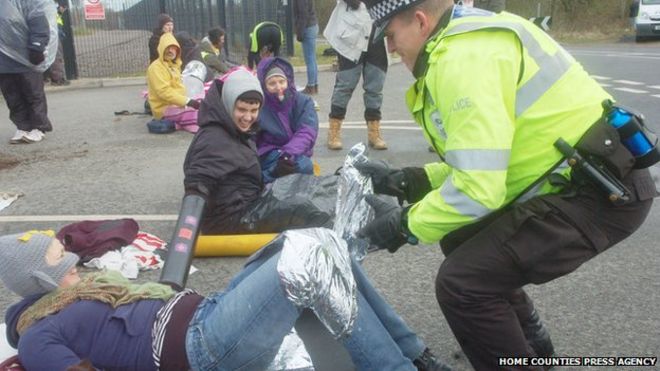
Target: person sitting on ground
164, 79
288, 123
102, 321
211, 49
165, 25
265, 41
222, 165
190, 51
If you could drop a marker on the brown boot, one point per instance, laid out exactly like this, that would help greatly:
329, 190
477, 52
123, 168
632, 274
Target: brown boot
334, 134
375, 140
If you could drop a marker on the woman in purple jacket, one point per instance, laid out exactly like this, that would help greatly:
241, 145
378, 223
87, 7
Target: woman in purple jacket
102, 321
288, 123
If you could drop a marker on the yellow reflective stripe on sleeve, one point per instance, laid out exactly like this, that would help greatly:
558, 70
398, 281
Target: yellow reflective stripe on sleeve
551, 67
478, 159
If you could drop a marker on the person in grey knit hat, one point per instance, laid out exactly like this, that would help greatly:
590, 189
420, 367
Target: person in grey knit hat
35, 263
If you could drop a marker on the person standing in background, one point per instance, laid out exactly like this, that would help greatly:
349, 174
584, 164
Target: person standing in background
265, 41
349, 32
56, 72
165, 24
22, 66
307, 28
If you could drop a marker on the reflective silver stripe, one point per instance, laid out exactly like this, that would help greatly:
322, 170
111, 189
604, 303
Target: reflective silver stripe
551, 67
461, 202
478, 159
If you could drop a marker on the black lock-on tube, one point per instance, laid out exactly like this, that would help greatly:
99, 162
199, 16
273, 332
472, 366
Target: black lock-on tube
181, 247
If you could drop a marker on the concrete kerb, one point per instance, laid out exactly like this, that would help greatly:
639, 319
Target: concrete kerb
93, 83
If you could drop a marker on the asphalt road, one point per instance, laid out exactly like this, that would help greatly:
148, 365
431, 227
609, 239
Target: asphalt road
97, 165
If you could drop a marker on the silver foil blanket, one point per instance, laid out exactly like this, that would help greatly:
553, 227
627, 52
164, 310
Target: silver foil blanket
352, 212
315, 271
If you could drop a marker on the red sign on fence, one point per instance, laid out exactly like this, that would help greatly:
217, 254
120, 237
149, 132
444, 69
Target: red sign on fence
94, 10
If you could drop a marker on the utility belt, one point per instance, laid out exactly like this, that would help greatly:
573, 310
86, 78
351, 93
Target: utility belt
615, 145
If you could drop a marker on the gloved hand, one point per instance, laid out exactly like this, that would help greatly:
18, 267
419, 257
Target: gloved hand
35, 57
193, 103
353, 4
285, 165
387, 230
410, 183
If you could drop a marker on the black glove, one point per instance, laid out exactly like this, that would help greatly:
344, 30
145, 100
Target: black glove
35, 57
387, 230
193, 103
353, 4
410, 183
285, 165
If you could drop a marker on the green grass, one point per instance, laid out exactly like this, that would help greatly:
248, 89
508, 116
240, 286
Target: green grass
298, 60
83, 31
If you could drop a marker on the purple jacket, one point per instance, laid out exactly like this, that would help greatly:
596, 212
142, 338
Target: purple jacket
87, 329
290, 126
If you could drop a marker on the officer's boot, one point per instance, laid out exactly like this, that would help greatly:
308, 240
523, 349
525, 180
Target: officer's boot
429, 362
373, 133
537, 336
334, 134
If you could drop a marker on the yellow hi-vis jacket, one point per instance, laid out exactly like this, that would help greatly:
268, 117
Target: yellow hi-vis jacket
496, 94
164, 80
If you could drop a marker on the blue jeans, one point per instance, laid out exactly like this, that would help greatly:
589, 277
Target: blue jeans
309, 53
243, 327
269, 163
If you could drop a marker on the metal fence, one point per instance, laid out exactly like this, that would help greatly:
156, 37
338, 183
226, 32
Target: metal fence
117, 45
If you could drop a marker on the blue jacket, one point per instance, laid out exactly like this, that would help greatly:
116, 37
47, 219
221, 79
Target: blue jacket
87, 330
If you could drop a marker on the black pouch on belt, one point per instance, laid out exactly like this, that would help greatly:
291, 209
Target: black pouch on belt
601, 144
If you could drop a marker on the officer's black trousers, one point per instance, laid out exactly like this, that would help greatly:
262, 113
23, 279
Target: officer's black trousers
26, 99
479, 284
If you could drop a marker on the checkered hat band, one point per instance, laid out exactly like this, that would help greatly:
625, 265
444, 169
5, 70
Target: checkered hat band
386, 8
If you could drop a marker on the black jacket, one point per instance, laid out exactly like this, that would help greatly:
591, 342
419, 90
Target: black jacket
222, 166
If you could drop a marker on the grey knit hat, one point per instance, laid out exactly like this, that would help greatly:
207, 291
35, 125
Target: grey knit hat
23, 267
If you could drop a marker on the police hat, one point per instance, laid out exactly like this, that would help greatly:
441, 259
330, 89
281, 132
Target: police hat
382, 11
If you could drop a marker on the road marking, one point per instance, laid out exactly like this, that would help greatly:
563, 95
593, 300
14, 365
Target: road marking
605, 85
628, 82
655, 86
596, 77
656, 95
73, 218
629, 90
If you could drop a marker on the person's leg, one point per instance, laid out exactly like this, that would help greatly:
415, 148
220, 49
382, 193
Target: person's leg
411, 346
535, 242
370, 344
374, 73
309, 53
304, 165
346, 80
33, 90
268, 163
242, 328
19, 112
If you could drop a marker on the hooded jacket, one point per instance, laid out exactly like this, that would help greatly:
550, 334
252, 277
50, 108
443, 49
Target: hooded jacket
222, 163
164, 79
291, 125
212, 57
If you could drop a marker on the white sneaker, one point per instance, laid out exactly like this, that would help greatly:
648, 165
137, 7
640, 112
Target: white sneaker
18, 137
34, 136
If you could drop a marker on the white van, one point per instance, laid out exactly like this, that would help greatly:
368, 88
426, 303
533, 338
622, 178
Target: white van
647, 19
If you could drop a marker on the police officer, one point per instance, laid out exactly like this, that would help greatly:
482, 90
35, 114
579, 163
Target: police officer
492, 94
265, 41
